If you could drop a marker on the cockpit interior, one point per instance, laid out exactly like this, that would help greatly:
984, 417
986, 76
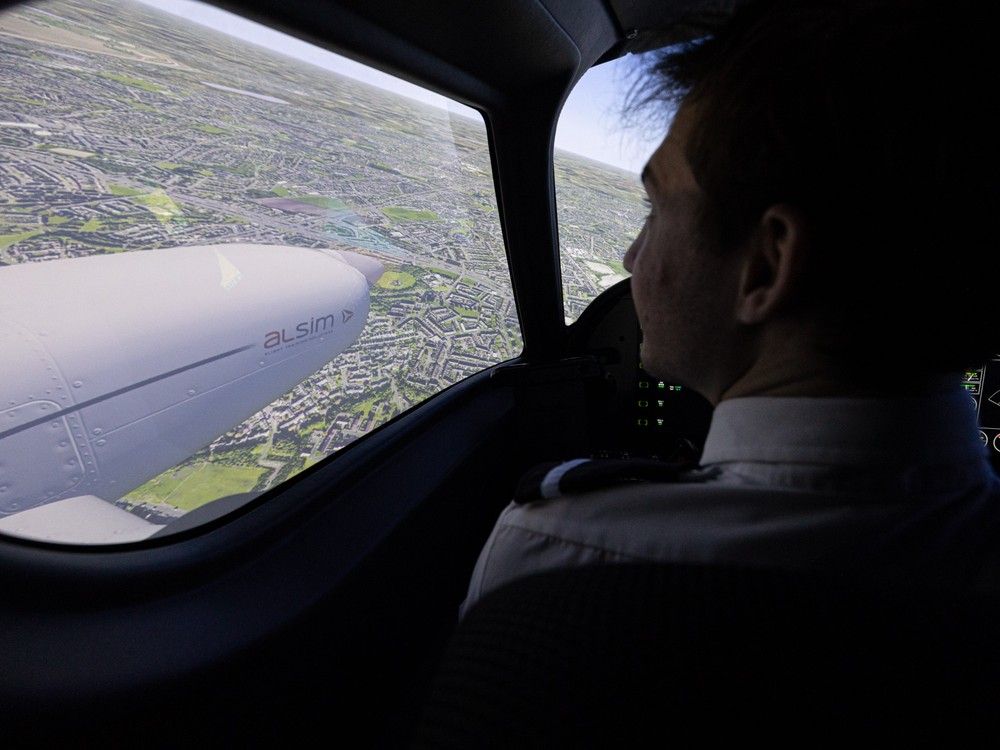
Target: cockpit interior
314, 589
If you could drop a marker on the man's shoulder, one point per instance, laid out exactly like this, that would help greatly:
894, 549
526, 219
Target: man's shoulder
635, 509
551, 481
633, 484
664, 513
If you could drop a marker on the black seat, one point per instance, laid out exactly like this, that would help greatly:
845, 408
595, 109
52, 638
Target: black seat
640, 655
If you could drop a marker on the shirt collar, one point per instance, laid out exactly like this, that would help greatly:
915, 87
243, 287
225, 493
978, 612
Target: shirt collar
846, 431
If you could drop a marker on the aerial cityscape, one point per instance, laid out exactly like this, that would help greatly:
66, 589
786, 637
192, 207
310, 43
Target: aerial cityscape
126, 129
600, 210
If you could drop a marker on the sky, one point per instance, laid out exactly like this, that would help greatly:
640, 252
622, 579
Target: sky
591, 124
588, 125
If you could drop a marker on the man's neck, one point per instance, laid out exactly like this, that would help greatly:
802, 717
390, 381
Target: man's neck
824, 385
795, 371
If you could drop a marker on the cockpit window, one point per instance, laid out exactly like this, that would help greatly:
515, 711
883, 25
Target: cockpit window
599, 197
225, 254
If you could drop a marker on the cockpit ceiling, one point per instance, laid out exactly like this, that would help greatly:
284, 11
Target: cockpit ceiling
482, 52
648, 24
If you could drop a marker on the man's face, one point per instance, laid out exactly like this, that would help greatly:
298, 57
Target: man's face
684, 292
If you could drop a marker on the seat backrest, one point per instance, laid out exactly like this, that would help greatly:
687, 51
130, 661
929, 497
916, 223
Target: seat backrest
632, 655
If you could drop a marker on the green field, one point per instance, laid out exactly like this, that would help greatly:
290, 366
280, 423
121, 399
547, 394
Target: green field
55, 220
319, 425
210, 129
91, 225
396, 280
385, 167
616, 266
403, 213
464, 226
466, 312
123, 190
363, 407
6, 240
191, 486
320, 200
137, 83
159, 204
282, 450
168, 165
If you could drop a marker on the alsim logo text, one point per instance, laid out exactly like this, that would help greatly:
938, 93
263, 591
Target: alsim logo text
303, 329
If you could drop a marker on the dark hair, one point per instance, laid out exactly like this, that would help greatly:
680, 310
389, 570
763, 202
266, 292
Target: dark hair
874, 120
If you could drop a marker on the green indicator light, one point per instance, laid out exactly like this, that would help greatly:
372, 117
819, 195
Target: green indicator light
661, 385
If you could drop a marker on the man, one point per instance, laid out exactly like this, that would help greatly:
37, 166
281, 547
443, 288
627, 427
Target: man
818, 262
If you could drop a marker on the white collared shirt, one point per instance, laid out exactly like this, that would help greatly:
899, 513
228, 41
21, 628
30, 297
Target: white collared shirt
791, 482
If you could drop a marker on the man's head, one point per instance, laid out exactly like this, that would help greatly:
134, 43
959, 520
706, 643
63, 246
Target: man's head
824, 186
682, 288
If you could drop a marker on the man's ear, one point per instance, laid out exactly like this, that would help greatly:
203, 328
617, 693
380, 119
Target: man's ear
773, 264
